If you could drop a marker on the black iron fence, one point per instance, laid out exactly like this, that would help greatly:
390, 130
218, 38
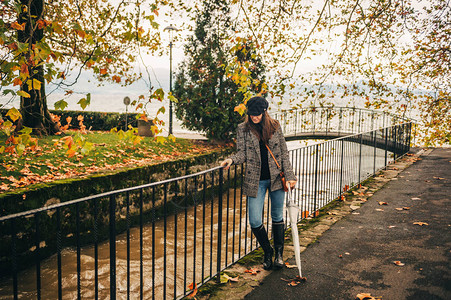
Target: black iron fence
159, 240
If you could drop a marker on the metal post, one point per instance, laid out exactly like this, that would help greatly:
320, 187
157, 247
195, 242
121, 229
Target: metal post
37, 257
360, 156
170, 86
410, 136
341, 167
112, 247
170, 28
395, 145
218, 269
386, 142
374, 146
14, 258
296, 124
316, 176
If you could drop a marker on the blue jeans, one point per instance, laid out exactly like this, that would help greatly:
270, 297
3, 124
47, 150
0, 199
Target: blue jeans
255, 204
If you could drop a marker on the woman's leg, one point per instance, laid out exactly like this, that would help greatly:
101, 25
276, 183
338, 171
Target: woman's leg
278, 225
255, 210
255, 204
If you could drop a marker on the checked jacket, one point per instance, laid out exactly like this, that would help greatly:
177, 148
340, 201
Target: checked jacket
248, 151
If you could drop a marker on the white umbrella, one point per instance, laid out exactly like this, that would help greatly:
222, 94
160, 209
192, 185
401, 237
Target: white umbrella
293, 211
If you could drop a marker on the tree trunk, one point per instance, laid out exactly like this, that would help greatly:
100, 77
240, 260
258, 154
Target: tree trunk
34, 109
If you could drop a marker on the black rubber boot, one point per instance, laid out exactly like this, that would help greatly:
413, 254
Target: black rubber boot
262, 238
278, 230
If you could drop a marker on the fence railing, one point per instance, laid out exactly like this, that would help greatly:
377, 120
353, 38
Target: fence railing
161, 239
334, 121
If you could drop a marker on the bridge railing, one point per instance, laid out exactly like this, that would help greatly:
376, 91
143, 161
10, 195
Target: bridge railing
162, 239
334, 121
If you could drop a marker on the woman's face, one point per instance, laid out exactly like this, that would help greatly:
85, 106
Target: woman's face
256, 119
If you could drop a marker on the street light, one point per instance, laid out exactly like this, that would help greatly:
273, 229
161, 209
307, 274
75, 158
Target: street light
127, 103
170, 28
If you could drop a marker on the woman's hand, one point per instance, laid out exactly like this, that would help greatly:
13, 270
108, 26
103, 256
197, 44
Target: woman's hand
292, 183
227, 163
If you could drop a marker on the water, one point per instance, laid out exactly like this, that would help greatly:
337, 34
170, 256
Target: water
185, 235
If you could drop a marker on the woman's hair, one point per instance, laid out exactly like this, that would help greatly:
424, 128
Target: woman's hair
268, 126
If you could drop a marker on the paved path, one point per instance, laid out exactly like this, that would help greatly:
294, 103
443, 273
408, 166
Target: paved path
369, 243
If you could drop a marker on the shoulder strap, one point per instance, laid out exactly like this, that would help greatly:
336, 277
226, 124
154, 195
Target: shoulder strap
275, 160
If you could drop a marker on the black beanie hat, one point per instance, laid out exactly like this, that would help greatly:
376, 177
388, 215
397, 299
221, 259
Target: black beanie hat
256, 106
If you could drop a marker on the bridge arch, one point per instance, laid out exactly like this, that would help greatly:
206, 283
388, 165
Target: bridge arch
360, 125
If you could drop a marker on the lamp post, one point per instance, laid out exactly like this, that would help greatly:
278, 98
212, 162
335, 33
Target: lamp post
127, 103
170, 28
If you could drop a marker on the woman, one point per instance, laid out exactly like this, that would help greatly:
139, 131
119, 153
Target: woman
262, 174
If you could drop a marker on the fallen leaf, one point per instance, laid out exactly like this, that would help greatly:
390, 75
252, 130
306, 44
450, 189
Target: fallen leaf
192, 286
438, 178
290, 266
398, 263
347, 253
340, 256
415, 198
252, 271
295, 281
406, 208
226, 278
391, 226
420, 223
299, 278
399, 208
383, 203
379, 209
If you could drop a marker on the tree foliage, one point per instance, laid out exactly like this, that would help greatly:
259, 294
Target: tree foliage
54, 41
392, 55
217, 75
386, 54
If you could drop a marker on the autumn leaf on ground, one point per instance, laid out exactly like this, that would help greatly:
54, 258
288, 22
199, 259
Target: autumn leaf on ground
366, 296
290, 266
420, 223
383, 203
226, 278
379, 209
398, 263
252, 271
192, 286
438, 178
295, 281
402, 208
415, 199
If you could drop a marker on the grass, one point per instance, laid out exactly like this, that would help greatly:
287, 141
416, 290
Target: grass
50, 161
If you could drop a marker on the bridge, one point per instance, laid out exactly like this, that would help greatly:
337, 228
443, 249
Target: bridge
357, 124
162, 239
